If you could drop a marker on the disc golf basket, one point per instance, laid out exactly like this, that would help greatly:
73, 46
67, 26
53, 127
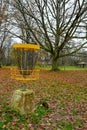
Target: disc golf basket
26, 57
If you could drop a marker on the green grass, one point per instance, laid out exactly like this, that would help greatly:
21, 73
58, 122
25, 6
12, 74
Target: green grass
38, 114
8, 114
48, 67
65, 125
74, 112
72, 68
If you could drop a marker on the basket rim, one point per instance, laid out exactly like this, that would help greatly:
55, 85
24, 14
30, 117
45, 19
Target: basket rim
25, 46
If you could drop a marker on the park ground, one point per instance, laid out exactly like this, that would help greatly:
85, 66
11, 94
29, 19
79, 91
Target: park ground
65, 93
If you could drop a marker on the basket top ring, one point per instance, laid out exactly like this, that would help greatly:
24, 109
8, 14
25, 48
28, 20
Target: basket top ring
26, 46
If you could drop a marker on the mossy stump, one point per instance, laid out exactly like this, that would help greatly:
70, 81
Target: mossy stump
23, 101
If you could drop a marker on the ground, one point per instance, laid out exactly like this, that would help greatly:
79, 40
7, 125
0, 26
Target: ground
64, 91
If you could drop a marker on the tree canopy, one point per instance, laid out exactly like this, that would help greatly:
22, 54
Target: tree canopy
58, 26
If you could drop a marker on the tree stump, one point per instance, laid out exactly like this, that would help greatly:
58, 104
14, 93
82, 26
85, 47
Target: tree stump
23, 101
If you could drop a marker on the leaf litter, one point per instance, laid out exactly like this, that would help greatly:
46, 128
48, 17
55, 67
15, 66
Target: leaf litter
65, 92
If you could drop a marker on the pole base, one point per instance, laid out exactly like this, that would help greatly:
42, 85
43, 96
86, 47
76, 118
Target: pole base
23, 101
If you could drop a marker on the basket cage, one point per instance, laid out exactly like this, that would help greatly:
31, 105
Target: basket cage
26, 59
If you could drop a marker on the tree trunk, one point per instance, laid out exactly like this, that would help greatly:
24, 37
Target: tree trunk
0, 66
1, 56
55, 64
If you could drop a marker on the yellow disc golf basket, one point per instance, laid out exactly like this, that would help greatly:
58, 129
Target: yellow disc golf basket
26, 57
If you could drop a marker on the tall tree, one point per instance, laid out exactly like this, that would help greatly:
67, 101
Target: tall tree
4, 24
58, 26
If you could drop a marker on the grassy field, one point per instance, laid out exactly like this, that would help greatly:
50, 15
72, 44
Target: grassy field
64, 91
48, 67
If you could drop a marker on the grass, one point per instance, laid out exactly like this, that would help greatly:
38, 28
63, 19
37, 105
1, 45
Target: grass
65, 125
67, 106
48, 67
66, 67
38, 114
72, 68
12, 116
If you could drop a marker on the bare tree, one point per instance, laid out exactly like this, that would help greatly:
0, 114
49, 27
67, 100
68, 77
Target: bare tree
58, 26
4, 24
